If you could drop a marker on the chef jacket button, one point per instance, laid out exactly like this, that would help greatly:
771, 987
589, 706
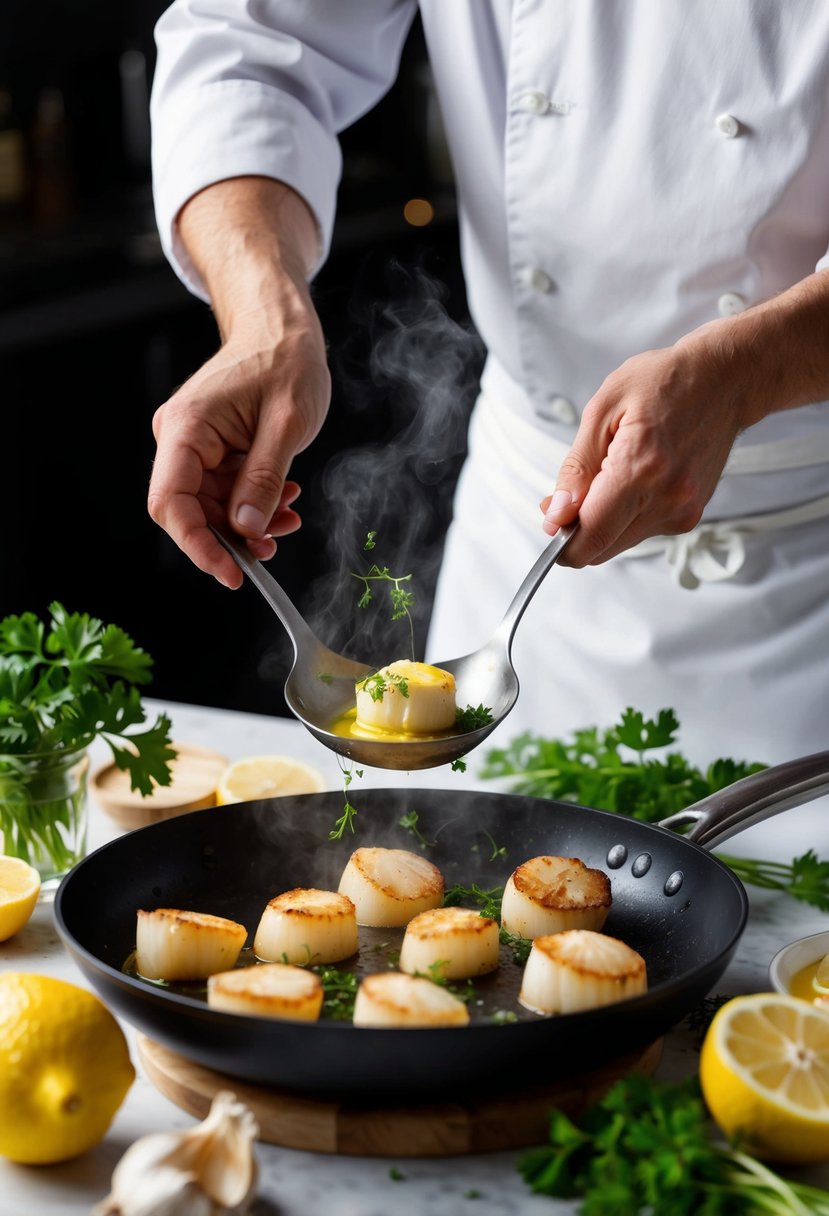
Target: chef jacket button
536, 278
557, 409
730, 303
534, 102
727, 125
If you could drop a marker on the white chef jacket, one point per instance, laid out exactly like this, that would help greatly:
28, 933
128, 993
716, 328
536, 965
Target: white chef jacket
626, 170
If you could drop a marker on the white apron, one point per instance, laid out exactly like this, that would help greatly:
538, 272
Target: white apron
729, 625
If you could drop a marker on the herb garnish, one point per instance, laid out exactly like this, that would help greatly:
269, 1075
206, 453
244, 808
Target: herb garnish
402, 598
473, 717
378, 684
409, 822
646, 1147
346, 820
339, 991
607, 769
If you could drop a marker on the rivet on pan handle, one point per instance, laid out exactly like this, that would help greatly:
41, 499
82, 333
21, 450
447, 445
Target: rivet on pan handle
753, 799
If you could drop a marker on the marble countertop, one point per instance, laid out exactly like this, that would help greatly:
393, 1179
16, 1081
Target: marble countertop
294, 1183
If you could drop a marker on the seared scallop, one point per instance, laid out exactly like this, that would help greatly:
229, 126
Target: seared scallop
267, 990
174, 944
580, 969
391, 999
551, 894
307, 926
390, 886
450, 943
407, 698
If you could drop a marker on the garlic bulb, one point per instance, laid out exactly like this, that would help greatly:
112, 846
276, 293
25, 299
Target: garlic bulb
209, 1170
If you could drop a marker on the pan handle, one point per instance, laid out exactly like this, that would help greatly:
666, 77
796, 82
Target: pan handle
753, 799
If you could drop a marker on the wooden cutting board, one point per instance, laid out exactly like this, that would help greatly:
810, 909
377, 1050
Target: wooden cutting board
440, 1129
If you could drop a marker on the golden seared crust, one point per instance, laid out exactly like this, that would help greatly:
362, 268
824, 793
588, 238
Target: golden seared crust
407, 1000
447, 922
565, 883
268, 984
592, 954
195, 920
398, 873
309, 901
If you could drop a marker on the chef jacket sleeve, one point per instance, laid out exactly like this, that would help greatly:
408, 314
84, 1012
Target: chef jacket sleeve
263, 88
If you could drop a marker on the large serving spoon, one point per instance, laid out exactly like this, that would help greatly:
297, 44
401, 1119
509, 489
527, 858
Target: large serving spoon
320, 685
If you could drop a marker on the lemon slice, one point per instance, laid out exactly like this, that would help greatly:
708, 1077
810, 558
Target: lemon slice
821, 980
19, 889
267, 777
764, 1072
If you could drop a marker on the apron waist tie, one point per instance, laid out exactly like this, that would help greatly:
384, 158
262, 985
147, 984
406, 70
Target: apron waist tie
715, 551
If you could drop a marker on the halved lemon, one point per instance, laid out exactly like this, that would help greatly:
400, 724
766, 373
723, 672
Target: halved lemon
267, 777
19, 889
764, 1072
821, 980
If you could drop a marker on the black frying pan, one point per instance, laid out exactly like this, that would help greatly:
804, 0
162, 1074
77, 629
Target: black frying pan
681, 908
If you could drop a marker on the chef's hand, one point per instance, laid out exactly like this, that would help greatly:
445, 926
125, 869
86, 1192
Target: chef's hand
227, 437
654, 439
648, 454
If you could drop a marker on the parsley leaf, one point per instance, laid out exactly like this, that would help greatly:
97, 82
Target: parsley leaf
646, 1148
63, 684
473, 717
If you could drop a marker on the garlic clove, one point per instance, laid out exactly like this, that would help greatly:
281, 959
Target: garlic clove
209, 1170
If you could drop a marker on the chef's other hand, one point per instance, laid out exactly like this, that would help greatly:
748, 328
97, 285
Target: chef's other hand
649, 451
227, 437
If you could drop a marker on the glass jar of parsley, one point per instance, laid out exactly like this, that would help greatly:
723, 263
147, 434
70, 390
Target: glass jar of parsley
43, 810
65, 683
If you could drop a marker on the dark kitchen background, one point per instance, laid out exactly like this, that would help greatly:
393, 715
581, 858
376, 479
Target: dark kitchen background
96, 332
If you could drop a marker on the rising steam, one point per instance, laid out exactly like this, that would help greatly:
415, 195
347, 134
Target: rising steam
426, 365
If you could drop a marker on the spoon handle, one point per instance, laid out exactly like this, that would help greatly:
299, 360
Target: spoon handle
295, 625
533, 581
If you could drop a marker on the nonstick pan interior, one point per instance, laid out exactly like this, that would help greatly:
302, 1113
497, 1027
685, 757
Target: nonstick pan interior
676, 904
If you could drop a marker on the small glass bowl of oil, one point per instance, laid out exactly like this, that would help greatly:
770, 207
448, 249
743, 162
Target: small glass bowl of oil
793, 969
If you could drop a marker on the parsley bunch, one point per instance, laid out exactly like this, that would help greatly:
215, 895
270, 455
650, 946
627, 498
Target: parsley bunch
608, 769
63, 684
646, 1148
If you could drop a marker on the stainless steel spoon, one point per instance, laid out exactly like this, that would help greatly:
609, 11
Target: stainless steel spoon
320, 685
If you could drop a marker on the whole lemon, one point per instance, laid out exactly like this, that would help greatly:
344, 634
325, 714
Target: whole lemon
64, 1069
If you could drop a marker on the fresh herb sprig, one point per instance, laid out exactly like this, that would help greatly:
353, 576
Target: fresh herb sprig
647, 1147
63, 684
345, 823
409, 821
401, 597
608, 769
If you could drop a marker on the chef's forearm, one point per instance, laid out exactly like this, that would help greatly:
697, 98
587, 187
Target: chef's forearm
254, 241
777, 353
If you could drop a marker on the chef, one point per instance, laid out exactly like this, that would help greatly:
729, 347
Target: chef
643, 191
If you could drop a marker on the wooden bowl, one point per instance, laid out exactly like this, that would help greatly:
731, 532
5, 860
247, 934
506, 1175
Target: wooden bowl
195, 775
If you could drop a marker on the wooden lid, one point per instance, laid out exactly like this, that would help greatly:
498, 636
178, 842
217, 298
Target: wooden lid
195, 775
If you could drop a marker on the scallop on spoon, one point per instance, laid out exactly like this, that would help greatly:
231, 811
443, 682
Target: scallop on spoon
320, 685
